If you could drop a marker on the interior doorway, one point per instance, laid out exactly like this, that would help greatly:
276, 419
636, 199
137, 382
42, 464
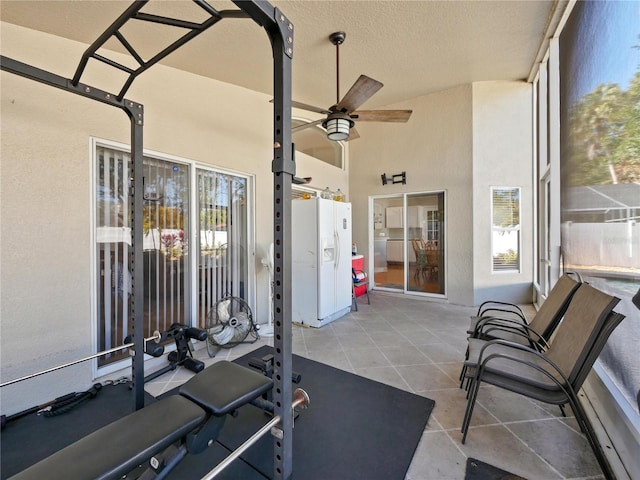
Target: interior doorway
408, 237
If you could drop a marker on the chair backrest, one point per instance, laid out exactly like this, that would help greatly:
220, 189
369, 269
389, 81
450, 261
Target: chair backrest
432, 258
579, 330
548, 317
416, 247
612, 321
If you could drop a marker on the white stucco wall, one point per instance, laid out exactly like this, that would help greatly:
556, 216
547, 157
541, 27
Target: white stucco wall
46, 274
435, 149
502, 157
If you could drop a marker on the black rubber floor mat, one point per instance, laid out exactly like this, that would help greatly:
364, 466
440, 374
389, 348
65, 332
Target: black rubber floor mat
478, 470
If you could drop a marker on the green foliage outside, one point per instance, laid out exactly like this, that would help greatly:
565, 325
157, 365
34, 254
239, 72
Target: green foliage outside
605, 136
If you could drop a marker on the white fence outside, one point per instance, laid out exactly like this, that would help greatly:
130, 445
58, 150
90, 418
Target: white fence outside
605, 245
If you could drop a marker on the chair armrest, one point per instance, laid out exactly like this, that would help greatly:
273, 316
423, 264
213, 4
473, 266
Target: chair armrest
525, 331
483, 361
358, 276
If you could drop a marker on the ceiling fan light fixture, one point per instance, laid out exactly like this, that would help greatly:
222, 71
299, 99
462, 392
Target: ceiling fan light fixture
337, 127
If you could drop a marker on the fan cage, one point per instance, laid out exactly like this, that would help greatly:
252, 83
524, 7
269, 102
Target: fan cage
230, 323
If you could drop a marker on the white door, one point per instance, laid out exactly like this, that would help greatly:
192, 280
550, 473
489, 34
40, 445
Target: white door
328, 251
343, 264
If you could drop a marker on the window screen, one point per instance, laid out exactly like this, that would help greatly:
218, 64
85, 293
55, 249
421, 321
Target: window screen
600, 167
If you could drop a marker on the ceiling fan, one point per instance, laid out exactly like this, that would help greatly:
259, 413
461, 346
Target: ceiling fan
341, 117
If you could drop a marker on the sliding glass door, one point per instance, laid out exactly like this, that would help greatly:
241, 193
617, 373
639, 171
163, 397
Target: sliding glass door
223, 239
181, 284
409, 243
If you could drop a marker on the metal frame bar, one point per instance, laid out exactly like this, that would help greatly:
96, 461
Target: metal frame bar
134, 13
135, 112
280, 32
156, 337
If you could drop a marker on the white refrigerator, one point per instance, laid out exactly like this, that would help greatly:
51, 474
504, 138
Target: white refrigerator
321, 261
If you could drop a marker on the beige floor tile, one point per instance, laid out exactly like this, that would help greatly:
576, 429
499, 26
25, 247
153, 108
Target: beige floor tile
443, 352
404, 355
425, 377
508, 406
499, 447
366, 358
437, 458
389, 339
562, 447
450, 407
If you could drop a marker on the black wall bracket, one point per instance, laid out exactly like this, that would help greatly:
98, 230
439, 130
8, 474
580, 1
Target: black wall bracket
397, 178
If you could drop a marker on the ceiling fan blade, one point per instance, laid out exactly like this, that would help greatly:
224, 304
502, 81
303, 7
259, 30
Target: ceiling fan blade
307, 125
360, 92
382, 115
353, 134
305, 106
310, 108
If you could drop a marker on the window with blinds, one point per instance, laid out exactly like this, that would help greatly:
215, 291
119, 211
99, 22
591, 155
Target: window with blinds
505, 229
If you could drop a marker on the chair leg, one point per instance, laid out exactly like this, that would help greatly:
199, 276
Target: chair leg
463, 372
475, 386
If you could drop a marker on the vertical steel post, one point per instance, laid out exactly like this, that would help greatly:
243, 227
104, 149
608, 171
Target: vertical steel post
283, 168
280, 32
135, 111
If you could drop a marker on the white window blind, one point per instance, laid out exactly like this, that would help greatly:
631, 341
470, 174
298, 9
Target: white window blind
505, 226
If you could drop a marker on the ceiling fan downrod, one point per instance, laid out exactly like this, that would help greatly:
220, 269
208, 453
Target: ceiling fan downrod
337, 38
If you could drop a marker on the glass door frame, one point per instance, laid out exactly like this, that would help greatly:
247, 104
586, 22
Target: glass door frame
405, 248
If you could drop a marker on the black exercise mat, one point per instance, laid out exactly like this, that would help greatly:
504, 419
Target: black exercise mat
478, 470
354, 428
29, 439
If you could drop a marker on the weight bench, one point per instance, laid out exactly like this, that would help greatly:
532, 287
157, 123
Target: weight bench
191, 420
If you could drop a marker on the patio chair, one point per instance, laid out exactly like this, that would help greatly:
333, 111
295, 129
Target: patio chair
513, 326
507, 321
556, 375
421, 260
360, 286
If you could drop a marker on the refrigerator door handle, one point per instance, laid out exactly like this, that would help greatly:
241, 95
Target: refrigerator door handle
337, 247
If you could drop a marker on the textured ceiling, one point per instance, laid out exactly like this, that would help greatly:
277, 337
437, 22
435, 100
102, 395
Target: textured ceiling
413, 47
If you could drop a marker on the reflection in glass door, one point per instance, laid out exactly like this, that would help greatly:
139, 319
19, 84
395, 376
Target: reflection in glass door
409, 243
388, 243
165, 246
223, 241
425, 242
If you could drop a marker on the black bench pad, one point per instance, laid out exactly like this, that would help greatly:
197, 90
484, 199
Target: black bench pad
225, 386
118, 448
